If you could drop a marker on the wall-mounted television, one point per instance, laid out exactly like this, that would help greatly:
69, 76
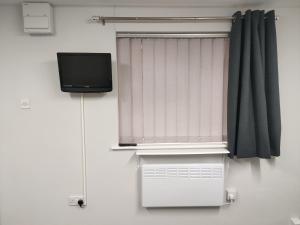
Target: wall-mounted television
84, 72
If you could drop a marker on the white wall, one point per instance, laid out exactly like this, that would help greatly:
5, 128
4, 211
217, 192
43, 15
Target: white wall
40, 164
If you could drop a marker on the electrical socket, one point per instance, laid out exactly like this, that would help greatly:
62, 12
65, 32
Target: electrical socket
25, 103
231, 195
73, 200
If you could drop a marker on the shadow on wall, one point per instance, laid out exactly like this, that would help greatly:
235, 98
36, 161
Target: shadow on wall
254, 163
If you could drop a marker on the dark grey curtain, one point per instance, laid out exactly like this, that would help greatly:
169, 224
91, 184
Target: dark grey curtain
254, 125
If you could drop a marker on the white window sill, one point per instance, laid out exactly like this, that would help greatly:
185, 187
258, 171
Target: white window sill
176, 149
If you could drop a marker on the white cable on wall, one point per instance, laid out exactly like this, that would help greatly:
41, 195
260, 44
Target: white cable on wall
83, 151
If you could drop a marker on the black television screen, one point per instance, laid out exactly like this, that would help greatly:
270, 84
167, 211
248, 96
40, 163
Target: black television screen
85, 72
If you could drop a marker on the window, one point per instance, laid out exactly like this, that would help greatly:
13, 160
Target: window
172, 89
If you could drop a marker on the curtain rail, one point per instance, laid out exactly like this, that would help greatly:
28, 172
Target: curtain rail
116, 19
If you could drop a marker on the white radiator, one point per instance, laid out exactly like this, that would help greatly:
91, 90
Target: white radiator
182, 185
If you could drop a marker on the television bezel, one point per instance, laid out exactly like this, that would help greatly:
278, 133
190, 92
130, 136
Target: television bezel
83, 89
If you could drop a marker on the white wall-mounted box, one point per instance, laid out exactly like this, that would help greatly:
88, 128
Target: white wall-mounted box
38, 18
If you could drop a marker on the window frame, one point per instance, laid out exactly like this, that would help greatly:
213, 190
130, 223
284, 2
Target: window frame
178, 145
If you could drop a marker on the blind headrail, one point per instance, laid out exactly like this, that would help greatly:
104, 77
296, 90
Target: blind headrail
172, 35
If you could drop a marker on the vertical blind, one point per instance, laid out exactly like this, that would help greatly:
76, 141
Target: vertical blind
172, 89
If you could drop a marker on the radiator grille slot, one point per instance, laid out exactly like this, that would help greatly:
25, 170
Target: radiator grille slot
183, 172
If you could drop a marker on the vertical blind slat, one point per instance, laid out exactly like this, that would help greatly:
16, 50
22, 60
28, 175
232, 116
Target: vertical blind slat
217, 89
225, 88
205, 87
124, 68
172, 90
137, 90
182, 90
148, 87
194, 90
160, 92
